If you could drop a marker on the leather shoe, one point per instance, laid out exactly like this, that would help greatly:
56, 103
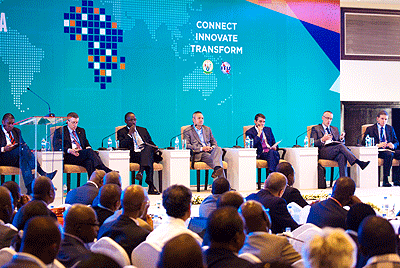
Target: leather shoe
396, 183
386, 184
153, 191
217, 172
139, 176
51, 175
363, 164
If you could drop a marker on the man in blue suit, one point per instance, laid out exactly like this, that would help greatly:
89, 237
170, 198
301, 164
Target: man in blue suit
264, 141
385, 138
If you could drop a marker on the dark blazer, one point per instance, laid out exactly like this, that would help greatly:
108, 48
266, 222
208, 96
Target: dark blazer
223, 258
318, 131
193, 140
6, 235
327, 213
71, 251
280, 216
252, 134
16, 134
58, 139
125, 232
373, 132
84, 194
127, 142
102, 214
11, 158
292, 194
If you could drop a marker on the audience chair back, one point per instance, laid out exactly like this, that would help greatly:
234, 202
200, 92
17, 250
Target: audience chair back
112, 249
146, 255
250, 258
304, 237
6, 254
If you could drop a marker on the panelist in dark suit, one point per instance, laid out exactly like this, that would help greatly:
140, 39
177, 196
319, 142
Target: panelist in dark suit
16, 153
264, 141
385, 138
76, 147
326, 138
136, 139
201, 141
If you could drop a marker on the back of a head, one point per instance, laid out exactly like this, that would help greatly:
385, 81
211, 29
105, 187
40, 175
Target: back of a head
343, 189
109, 195
97, 177
32, 209
223, 224
133, 198
255, 217
220, 186
177, 200
42, 187
376, 236
231, 198
331, 249
13, 187
81, 221
112, 177
285, 168
356, 214
275, 182
181, 251
6, 204
99, 261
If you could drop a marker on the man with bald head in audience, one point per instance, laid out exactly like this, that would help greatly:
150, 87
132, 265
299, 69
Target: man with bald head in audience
271, 197
80, 227
110, 201
7, 231
125, 230
112, 177
267, 247
40, 244
86, 193
330, 212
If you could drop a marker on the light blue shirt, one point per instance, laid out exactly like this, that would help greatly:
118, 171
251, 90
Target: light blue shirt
201, 136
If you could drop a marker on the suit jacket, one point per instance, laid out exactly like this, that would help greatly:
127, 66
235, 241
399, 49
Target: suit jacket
280, 216
11, 157
223, 258
16, 134
65, 143
71, 251
270, 248
102, 214
252, 134
373, 132
193, 140
24, 260
84, 194
327, 213
125, 232
6, 235
318, 131
127, 142
292, 194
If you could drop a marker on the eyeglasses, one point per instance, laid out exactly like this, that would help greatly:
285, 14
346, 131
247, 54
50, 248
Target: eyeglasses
329, 118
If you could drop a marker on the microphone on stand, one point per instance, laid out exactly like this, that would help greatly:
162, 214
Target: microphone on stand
50, 113
102, 141
238, 146
170, 142
296, 145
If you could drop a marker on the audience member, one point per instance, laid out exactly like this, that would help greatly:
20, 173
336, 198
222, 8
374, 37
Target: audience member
378, 242
332, 249
271, 197
291, 194
40, 244
330, 212
7, 231
231, 198
80, 227
126, 230
176, 200
209, 204
15, 191
86, 193
225, 230
97, 260
181, 251
267, 247
110, 201
32, 209
112, 177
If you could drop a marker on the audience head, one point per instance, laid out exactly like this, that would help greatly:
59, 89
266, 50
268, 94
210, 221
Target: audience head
41, 238
15, 191
97, 177
32, 209
177, 200
356, 214
181, 251
286, 169
110, 196
134, 199
256, 219
72, 120
97, 260
81, 221
343, 190
231, 198
333, 248
130, 119
43, 189
8, 122
225, 229
327, 117
112, 177
276, 183
6, 205
376, 236
220, 186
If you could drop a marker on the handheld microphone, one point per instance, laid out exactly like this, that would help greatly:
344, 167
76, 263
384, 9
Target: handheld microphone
102, 141
238, 146
296, 145
170, 142
50, 113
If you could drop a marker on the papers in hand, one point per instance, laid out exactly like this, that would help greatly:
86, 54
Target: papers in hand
385, 149
331, 142
276, 144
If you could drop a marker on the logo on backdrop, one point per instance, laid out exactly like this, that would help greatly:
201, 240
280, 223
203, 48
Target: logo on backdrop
208, 66
225, 68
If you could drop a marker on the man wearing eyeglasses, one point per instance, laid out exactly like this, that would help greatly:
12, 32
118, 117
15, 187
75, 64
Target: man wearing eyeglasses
331, 145
77, 150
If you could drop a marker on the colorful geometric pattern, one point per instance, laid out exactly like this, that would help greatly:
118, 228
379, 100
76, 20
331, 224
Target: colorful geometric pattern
92, 25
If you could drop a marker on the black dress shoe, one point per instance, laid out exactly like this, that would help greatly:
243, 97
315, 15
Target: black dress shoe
217, 172
153, 191
363, 164
386, 184
51, 175
396, 183
139, 176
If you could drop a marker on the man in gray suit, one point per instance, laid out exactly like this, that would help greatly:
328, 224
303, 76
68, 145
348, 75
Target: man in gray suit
331, 145
267, 247
200, 140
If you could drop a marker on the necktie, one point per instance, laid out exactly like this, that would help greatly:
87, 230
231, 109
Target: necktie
382, 135
75, 138
264, 143
327, 130
11, 138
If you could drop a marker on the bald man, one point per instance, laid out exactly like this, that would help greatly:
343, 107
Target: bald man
330, 212
7, 231
86, 193
80, 227
125, 230
271, 197
110, 201
112, 177
267, 247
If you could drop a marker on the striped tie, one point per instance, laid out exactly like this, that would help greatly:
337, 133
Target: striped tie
75, 138
11, 138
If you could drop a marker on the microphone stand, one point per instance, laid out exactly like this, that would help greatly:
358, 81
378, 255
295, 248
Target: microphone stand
238, 146
296, 145
102, 141
170, 142
50, 113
